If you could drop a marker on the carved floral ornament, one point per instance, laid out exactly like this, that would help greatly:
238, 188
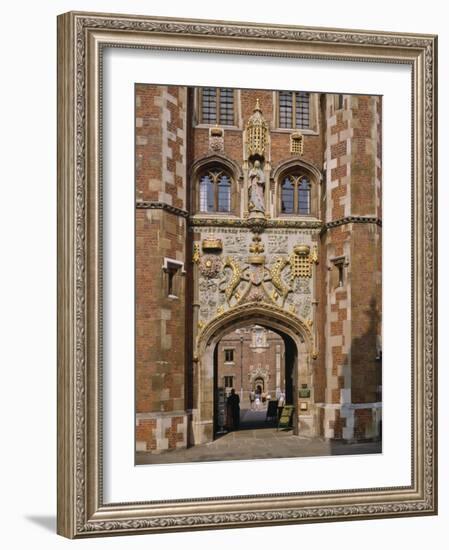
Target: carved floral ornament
210, 266
216, 140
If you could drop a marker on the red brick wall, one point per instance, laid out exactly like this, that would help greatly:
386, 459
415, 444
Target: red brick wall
363, 161
172, 433
352, 312
160, 319
160, 330
160, 143
366, 306
365, 253
148, 141
145, 431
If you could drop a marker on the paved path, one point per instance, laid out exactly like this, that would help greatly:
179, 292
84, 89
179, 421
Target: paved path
256, 440
252, 419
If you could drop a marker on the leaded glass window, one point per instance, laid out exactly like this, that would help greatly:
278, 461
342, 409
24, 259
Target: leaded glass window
215, 191
209, 105
303, 196
226, 106
295, 195
207, 199
224, 194
217, 106
294, 109
287, 196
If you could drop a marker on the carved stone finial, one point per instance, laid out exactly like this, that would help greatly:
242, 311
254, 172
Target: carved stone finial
256, 249
196, 253
256, 133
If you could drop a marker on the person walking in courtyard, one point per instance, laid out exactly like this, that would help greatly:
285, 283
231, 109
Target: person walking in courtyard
281, 400
233, 406
252, 398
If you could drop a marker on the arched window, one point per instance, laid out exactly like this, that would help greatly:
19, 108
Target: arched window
215, 191
295, 194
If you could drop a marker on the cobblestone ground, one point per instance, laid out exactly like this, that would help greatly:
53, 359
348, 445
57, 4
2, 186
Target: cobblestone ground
258, 439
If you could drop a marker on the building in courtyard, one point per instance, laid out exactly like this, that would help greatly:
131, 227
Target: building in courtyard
251, 359
257, 211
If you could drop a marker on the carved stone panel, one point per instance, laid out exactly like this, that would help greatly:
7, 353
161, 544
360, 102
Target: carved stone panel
274, 266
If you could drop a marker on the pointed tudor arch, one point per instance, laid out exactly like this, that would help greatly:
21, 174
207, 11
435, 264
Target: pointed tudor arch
210, 160
213, 162
259, 314
302, 171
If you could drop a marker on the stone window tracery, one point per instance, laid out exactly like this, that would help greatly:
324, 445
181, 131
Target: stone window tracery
215, 191
295, 194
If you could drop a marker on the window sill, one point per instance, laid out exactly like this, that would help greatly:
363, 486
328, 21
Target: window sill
222, 126
218, 215
304, 131
299, 217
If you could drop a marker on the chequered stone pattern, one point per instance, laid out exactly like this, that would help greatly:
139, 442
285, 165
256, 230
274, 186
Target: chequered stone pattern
160, 236
352, 305
161, 433
161, 144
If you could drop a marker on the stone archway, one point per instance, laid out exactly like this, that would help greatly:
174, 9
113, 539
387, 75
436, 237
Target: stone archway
265, 315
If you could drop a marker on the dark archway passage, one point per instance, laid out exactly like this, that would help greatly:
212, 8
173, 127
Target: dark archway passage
259, 364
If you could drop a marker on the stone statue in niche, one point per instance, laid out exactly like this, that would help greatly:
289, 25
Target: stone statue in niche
256, 188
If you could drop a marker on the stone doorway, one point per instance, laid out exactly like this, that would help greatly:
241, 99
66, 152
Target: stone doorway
259, 364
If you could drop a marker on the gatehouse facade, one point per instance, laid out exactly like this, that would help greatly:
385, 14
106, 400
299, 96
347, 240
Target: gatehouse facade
257, 211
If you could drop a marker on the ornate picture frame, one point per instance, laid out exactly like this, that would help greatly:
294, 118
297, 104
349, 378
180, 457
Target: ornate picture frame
82, 510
